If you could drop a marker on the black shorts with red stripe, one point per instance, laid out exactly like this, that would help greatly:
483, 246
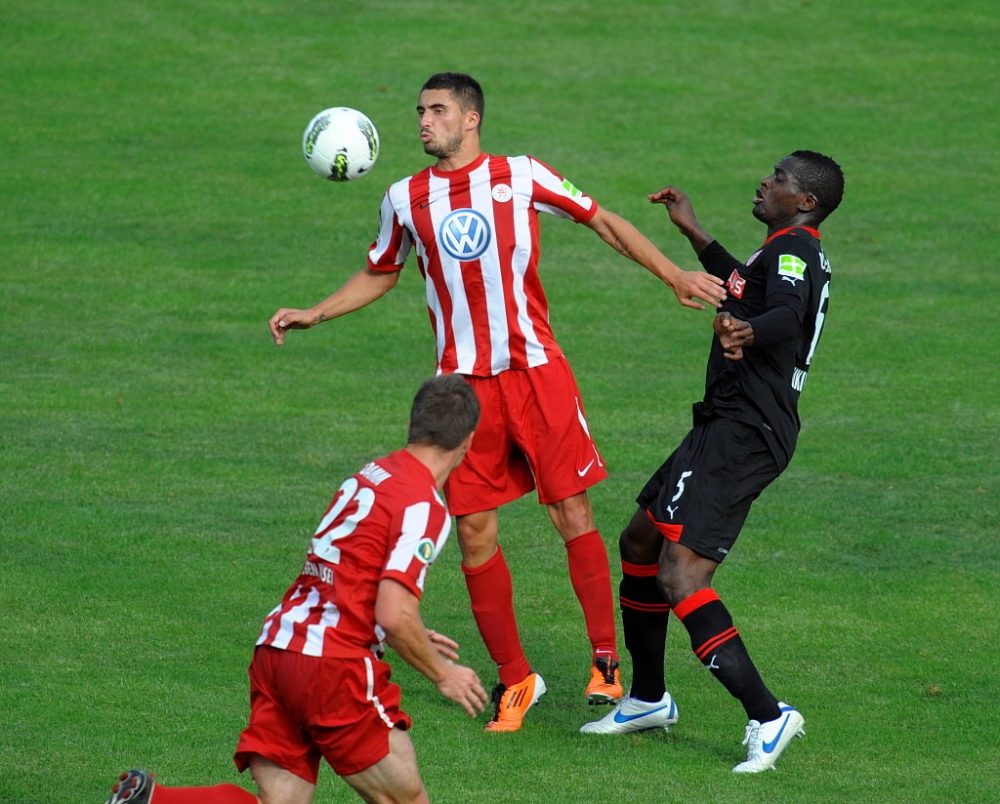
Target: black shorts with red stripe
701, 495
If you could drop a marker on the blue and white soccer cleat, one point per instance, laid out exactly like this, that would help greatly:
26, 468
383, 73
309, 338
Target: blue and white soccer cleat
630, 714
766, 741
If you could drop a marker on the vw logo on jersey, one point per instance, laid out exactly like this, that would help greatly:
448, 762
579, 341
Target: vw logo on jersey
465, 234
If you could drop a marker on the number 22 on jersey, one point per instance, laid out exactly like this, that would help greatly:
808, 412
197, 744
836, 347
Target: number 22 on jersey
332, 528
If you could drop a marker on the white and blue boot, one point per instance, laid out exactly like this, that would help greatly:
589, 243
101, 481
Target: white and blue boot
766, 741
630, 714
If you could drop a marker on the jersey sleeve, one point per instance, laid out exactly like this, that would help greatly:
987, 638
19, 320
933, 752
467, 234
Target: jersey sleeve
787, 291
776, 325
718, 261
392, 245
422, 529
557, 196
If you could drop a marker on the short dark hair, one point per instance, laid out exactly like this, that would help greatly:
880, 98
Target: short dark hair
445, 410
821, 176
464, 87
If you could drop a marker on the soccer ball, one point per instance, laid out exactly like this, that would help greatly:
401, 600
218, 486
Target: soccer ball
340, 144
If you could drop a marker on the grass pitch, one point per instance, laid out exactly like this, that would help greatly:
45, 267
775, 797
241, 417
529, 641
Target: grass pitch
162, 464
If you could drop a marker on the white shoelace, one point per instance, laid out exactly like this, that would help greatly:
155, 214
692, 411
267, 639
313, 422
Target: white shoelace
751, 739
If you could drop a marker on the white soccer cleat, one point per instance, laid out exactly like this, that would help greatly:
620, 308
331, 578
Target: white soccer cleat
766, 741
630, 714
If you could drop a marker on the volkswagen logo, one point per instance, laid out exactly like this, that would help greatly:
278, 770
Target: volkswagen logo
465, 235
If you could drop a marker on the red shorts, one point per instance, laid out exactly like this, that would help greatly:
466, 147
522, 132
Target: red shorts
532, 433
303, 708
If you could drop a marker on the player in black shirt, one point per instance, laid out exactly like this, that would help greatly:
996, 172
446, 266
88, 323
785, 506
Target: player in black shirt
744, 433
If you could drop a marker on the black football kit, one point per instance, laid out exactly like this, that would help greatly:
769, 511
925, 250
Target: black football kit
747, 424
783, 291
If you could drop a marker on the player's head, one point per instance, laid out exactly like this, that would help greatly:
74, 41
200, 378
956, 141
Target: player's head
821, 176
445, 411
464, 88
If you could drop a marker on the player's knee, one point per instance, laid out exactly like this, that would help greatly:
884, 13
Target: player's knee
395, 780
573, 516
477, 551
639, 542
677, 583
672, 588
413, 793
477, 539
626, 544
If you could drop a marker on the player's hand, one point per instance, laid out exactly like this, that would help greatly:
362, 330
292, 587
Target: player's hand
733, 334
682, 216
461, 685
678, 207
446, 646
691, 286
286, 319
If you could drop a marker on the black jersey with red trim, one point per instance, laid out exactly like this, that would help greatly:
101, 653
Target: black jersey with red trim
783, 291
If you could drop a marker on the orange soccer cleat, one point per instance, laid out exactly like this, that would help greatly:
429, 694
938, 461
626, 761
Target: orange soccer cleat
510, 703
605, 685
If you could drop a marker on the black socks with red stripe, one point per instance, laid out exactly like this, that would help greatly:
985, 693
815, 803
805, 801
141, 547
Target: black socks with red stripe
644, 620
718, 645
714, 640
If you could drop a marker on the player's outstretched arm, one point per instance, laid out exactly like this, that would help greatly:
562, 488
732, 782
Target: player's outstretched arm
688, 286
361, 289
397, 610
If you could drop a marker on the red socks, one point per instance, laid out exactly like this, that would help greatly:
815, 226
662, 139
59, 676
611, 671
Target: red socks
220, 794
492, 595
591, 578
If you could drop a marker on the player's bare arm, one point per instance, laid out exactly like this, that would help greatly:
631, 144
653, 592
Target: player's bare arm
397, 610
682, 215
361, 289
688, 286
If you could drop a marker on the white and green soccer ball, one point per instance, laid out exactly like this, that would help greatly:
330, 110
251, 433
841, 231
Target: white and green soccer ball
340, 144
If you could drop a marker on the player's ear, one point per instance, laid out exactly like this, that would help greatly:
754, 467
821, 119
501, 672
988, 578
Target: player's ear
467, 443
807, 203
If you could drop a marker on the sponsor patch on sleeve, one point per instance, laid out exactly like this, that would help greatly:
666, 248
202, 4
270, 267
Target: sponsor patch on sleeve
791, 268
569, 188
425, 551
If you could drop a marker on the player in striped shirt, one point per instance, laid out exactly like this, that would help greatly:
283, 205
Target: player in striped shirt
318, 686
472, 221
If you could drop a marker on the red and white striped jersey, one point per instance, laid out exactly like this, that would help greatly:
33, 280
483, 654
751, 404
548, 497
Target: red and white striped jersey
476, 235
386, 521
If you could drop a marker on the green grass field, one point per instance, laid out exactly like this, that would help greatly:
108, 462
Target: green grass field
162, 464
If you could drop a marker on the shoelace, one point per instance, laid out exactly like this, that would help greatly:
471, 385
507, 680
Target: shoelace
497, 696
751, 739
607, 669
